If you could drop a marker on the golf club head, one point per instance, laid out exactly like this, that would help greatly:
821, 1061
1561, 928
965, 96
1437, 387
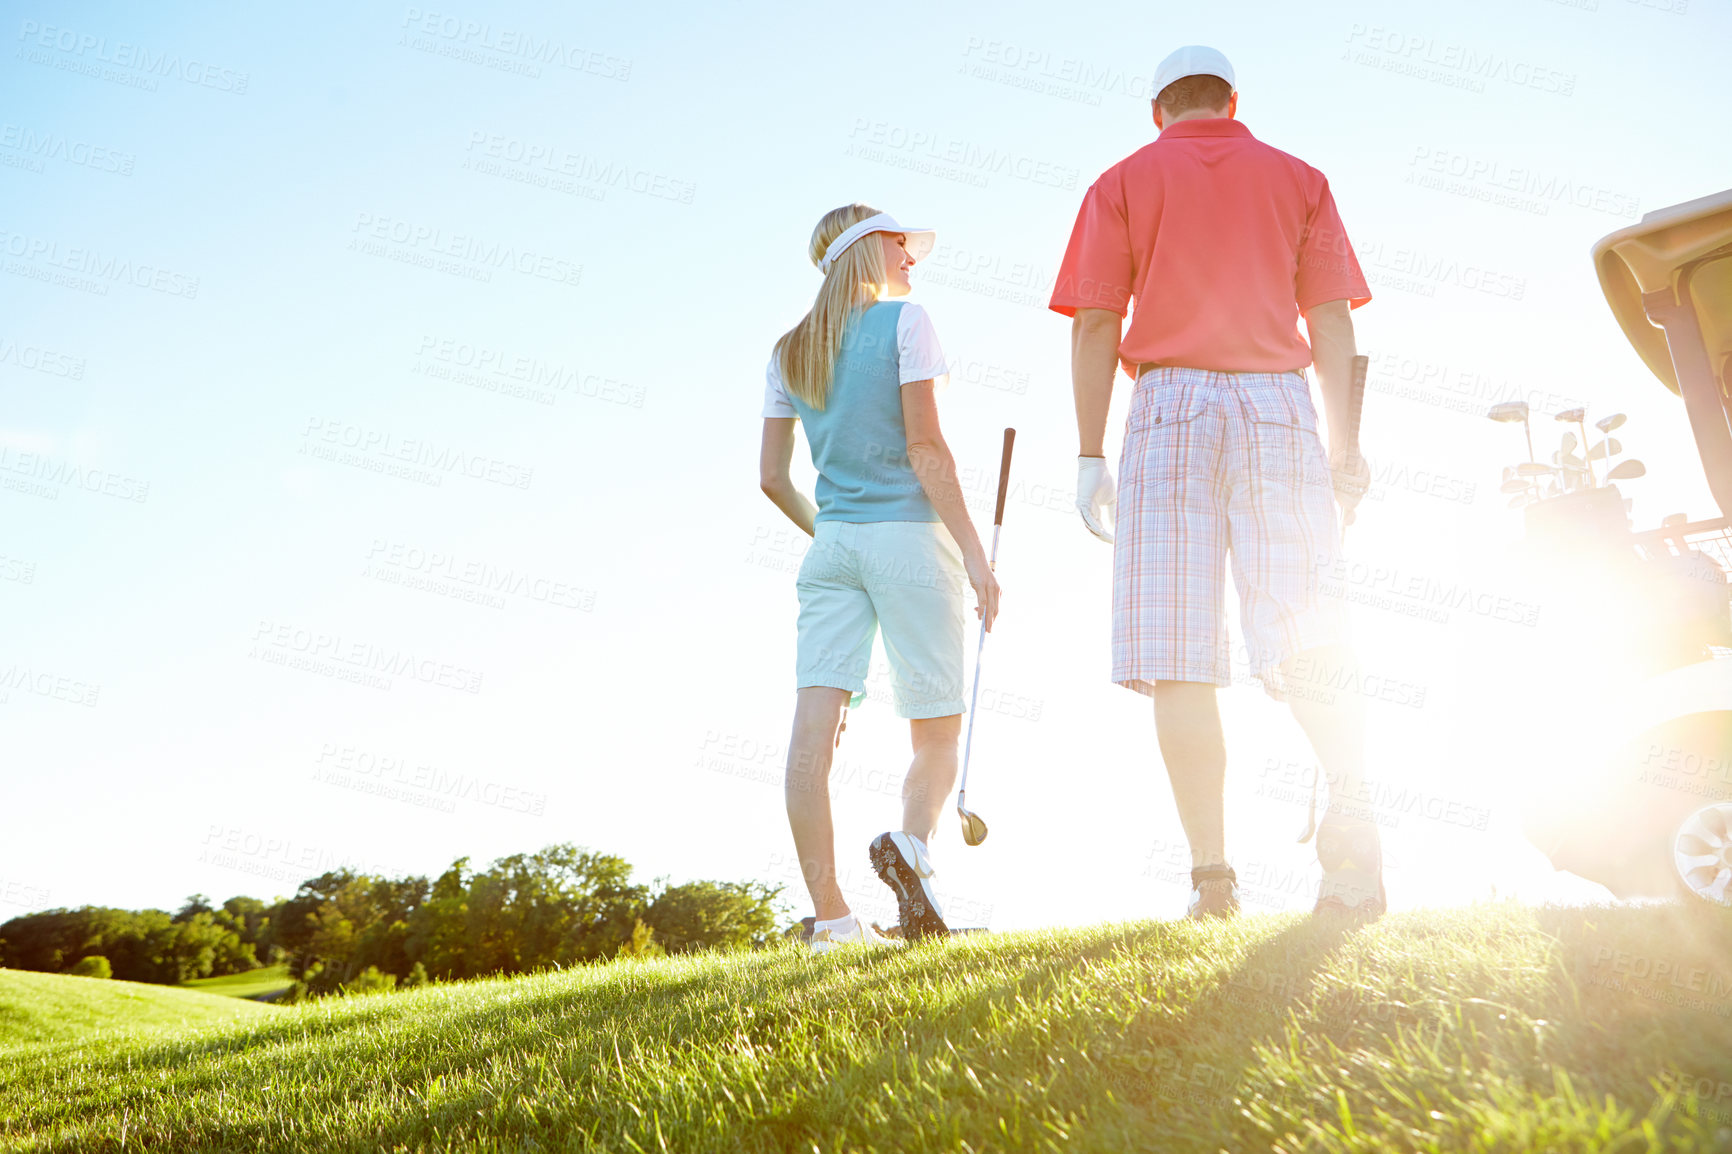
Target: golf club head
1607, 424
1568, 444
1535, 469
973, 828
1518, 500
1571, 415
1509, 411
1516, 485
1627, 471
1610, 447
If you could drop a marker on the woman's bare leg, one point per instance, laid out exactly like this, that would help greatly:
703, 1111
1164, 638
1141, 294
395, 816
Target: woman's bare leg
931, 775
817, 712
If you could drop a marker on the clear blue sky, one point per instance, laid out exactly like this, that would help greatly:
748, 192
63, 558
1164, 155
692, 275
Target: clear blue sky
379, 407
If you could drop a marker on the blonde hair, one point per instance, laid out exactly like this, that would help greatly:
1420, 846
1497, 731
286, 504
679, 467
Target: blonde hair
806, 354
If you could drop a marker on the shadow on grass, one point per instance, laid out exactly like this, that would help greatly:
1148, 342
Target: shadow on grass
1181, 1067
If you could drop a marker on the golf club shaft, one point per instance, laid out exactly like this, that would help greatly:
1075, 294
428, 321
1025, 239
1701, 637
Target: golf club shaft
980, 646
974, 696
1355, 408
1361, 365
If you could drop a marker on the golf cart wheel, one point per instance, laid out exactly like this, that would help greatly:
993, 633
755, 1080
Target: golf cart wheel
1702, 852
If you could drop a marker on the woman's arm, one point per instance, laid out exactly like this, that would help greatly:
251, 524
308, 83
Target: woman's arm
776, 453
935, 468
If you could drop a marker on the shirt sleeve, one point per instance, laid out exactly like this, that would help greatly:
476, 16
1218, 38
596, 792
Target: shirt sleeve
1328, 269
1098, 266
918, 355
776, 402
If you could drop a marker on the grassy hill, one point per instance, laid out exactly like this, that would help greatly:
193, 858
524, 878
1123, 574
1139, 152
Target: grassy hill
263, 984
57, 1007
1492, 1028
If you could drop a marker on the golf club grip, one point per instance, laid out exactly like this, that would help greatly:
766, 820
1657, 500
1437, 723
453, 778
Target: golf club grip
1356, 402
1004, 476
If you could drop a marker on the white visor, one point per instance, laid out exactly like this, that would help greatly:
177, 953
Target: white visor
919, 239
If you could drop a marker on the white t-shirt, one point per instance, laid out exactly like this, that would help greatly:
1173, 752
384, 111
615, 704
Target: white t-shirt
918, 358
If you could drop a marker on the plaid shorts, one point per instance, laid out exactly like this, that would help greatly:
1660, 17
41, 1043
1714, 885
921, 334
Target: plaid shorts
1217, 464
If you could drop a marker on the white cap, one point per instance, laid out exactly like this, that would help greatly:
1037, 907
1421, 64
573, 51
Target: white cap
920, 240
1192, 60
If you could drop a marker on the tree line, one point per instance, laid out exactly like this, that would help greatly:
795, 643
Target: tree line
560, 906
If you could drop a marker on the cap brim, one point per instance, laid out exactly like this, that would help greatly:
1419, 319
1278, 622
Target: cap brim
919, 241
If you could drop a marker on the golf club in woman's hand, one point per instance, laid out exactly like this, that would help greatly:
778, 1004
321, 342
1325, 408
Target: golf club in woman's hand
973, 826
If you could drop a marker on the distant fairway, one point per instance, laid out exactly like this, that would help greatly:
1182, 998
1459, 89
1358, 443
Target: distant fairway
57, 1007
266, 980
1492, 1028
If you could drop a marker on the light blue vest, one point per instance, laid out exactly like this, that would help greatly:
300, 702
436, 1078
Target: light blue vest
859, 444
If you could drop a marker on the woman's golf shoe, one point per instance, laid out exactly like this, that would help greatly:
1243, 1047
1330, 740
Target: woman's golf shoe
900, 860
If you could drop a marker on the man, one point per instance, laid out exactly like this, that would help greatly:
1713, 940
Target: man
1223, 243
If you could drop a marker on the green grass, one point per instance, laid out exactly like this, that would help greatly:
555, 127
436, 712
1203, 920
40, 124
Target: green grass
263, 983
37, 1008
1491, 1028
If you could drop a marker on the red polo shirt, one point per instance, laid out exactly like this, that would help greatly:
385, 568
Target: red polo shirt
1220, 240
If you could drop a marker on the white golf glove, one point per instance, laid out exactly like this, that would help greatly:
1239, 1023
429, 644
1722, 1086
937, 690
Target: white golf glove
1097, 497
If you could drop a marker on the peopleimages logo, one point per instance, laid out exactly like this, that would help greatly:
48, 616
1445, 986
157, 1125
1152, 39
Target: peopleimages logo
496, 369
552, 160
1458, 65
1516, 186
437, 569
376, 234
280, 643
324, 437
462, 37
41, 360
54, 146
93, 262
51, 685
881, 140
44, 476
91, 51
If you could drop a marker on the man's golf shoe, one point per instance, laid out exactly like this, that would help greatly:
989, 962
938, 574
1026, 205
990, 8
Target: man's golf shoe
1351, 855
900, 860
1214, 893
861, 933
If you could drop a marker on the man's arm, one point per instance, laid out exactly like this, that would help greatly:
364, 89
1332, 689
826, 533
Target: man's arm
1094, 358
1330, 326
774, 456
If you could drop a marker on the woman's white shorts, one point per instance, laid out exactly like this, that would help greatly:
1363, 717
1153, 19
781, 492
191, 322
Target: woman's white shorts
905, 577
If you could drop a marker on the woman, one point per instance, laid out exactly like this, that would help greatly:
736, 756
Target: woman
892, 548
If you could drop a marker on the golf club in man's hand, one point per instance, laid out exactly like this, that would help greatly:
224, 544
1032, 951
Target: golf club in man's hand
973, 826
1353, 476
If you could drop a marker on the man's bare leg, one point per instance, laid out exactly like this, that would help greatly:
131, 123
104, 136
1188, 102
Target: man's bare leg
817, 713
1188, 728
1333, 718
1325, 701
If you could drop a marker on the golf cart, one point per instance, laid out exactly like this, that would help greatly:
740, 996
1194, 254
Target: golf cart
1653, 816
